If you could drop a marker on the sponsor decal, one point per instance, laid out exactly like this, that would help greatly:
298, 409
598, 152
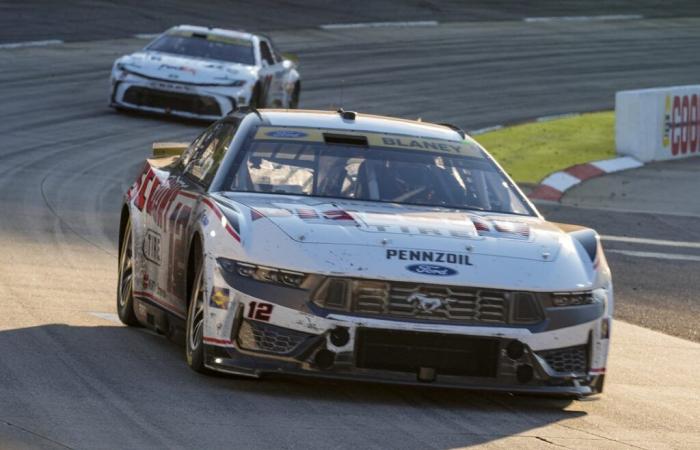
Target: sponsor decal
219, 298
191, 70
204, 219
432, 270
428, 256
286, 134
682, 124
422, 144
260, 311
443, 146
151, 246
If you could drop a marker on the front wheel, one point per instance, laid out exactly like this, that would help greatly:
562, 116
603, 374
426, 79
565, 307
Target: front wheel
125, 287
194, 344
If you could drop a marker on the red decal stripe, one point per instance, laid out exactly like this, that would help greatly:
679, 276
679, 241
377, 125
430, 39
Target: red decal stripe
599, 370
219, 215
216, 341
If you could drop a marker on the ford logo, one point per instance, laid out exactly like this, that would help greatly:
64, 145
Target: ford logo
286, 134
431, 269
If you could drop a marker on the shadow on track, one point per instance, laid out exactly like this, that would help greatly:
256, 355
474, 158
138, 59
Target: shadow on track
87, 386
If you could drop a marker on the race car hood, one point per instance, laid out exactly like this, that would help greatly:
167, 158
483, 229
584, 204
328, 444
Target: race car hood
405, 242
318, 221
186, 69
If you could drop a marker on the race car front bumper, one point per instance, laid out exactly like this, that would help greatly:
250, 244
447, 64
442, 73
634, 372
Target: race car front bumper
208, 102
254, 336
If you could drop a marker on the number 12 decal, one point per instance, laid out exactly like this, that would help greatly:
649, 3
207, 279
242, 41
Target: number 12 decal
260, 311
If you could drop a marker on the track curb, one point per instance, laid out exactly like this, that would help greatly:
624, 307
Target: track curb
554, 185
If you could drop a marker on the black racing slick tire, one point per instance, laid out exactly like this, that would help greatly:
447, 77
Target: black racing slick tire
294, 101
125, 284
194, 342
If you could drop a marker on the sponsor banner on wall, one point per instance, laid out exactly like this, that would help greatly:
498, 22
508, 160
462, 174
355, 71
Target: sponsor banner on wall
658, 124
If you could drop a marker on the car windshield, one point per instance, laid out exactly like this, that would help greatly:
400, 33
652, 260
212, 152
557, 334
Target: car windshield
207, 46
374, 167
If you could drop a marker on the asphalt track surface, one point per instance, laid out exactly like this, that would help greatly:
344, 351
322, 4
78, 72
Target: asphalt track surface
70, 377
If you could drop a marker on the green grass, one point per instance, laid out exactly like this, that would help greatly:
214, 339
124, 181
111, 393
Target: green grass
531, 151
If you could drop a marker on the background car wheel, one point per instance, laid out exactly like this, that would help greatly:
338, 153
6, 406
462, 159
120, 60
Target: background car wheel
294, 101
194, 345
125, 286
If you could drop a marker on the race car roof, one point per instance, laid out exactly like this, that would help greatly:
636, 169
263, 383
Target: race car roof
213, 31
362, 122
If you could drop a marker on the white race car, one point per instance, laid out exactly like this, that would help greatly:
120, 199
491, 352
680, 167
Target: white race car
204, 73
346, 245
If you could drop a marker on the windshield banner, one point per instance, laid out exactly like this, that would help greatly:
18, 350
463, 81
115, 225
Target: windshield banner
461, 148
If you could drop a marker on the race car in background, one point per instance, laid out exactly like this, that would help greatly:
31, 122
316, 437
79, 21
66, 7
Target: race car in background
204, 73
353, 246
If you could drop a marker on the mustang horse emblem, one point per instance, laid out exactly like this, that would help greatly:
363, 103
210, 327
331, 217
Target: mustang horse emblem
425, 303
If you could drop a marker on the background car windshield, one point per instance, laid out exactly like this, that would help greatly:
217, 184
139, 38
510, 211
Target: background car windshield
206, 46
375, 173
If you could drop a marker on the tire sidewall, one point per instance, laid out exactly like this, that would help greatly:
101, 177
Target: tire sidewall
195, 355
126, 311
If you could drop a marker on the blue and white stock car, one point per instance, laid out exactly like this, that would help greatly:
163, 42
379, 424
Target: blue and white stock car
204, 73
345, 245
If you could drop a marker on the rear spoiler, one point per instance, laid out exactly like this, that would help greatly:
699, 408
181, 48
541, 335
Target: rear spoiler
165, 149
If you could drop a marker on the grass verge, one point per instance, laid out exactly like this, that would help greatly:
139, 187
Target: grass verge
531, 151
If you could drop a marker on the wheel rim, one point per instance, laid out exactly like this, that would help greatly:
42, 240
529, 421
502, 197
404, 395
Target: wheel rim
197, 313
126, 269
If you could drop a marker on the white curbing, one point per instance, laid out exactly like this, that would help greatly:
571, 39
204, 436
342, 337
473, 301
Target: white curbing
561, 181
146, 35
617, 164
31, 43
416, 23
485, 130
601, 18
553, 187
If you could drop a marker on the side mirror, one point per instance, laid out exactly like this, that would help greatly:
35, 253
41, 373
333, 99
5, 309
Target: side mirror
165, 149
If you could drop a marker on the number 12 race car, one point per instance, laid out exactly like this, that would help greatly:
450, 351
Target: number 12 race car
204, 73
344, 245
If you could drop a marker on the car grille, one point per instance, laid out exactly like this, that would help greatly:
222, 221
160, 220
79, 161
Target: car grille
408, 351
267, 338
176, 101
570, 359
450, 303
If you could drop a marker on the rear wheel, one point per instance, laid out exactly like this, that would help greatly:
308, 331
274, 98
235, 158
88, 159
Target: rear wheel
125, 287
194, 344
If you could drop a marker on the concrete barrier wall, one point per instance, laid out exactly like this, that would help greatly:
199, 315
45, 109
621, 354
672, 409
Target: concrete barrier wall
658, 124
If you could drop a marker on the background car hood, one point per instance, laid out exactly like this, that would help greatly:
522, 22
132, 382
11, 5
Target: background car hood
185, 69
310, 220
